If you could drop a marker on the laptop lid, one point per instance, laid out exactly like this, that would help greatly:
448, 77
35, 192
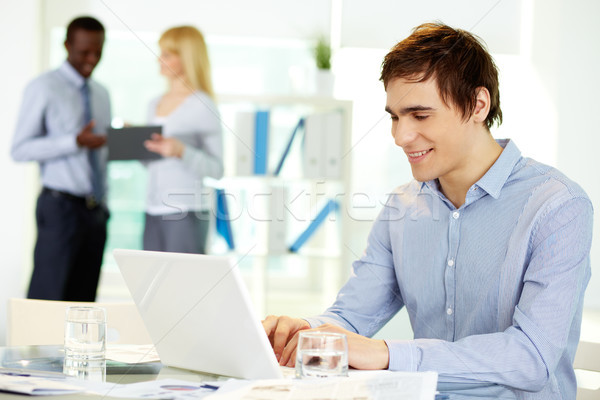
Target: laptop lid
198, 313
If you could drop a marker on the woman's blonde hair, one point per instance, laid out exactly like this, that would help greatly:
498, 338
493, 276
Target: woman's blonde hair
188, 43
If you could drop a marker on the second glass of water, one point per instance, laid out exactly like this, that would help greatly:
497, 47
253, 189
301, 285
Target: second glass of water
85, 333
321, 355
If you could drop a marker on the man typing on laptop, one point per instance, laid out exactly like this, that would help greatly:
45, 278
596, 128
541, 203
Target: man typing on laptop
488, 250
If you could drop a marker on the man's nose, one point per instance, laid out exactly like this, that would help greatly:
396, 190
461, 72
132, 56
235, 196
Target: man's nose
403, 133
92, 58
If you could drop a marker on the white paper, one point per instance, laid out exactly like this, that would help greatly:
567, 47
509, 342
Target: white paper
165, 389
372, 386
132, 354
36, 386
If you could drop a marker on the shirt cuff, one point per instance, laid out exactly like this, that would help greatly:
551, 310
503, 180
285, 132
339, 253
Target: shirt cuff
67, 144
314, 322
404, 355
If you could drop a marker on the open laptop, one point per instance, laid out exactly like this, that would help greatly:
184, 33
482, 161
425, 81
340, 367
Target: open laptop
198, 313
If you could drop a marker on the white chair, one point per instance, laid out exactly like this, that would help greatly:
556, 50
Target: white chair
587, 370
40, 322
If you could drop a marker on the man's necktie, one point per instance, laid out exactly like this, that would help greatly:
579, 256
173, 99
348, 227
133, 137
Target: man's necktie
93, 157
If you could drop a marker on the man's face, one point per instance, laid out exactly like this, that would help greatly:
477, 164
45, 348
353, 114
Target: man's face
84, 51
436, 140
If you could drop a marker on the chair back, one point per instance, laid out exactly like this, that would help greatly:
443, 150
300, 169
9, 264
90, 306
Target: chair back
587, 370
42, 322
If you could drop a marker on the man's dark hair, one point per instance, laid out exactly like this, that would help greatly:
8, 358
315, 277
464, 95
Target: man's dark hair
85, 23
458, 61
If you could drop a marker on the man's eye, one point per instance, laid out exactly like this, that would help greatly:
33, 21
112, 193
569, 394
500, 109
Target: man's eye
393, 118
421, 117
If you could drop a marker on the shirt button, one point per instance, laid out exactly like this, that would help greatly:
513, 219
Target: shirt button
455, 214
450, 263
449, 311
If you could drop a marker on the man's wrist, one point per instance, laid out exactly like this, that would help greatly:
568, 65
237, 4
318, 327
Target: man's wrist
385, 354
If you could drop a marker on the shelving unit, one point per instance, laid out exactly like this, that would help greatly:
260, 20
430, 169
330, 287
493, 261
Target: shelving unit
321, 265
279, 281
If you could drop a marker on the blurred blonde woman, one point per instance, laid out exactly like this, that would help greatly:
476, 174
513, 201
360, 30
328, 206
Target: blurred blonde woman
177, 216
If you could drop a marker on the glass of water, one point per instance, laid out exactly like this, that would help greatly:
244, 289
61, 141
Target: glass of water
321, 355
85, 333
89, 369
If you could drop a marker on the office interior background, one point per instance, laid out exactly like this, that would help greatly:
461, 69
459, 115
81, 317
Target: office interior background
547, 52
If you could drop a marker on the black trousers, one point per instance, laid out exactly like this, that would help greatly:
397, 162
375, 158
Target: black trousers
69, 248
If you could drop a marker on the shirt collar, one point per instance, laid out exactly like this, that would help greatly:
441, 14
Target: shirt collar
71, 74
495, 178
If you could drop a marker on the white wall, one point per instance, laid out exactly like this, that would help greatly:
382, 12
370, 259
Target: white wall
566, 53
256, 18
19, 42
383, 23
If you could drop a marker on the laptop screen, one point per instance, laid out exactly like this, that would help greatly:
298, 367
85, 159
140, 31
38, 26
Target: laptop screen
198, 313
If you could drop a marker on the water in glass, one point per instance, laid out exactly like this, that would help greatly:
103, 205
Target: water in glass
85, 340
319, 363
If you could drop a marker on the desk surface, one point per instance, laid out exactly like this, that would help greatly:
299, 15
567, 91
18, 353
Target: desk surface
50, 359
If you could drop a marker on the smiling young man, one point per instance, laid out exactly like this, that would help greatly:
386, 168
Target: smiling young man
61, 124
487, 250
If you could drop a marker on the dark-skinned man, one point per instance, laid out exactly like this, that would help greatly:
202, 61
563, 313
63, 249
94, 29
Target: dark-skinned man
62, 123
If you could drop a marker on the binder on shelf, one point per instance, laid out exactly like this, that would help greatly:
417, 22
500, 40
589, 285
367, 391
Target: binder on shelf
331, 206
297, 128
323, 145
312, 146
223, 219
261, 142
277, 231
332, 148
244, 143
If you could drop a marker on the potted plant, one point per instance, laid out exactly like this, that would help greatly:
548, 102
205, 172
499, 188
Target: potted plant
323, 54
324, 77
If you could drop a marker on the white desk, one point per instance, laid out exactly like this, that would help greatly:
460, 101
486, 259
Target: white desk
50, 359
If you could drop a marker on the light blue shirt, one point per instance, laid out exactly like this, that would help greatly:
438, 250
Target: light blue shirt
50, 119
494, 290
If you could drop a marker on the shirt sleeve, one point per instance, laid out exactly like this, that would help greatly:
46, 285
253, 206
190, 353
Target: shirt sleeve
526, 353
371, 296
205, 160
31, 141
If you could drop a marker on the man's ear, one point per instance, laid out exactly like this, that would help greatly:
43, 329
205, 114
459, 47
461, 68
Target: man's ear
482, 105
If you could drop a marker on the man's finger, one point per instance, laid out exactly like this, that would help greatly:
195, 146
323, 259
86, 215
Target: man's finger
280, 337
269, 324
89, 126
289, 353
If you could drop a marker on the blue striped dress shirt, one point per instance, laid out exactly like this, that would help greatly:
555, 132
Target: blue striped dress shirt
494, 289
51, 117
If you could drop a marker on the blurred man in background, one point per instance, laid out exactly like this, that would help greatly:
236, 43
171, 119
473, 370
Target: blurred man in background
61, 125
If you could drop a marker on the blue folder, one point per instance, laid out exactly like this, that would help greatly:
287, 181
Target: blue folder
331, 206
223, 220
299, 126
261, 142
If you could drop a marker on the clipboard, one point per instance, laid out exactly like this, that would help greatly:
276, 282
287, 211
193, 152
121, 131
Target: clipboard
128, 143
